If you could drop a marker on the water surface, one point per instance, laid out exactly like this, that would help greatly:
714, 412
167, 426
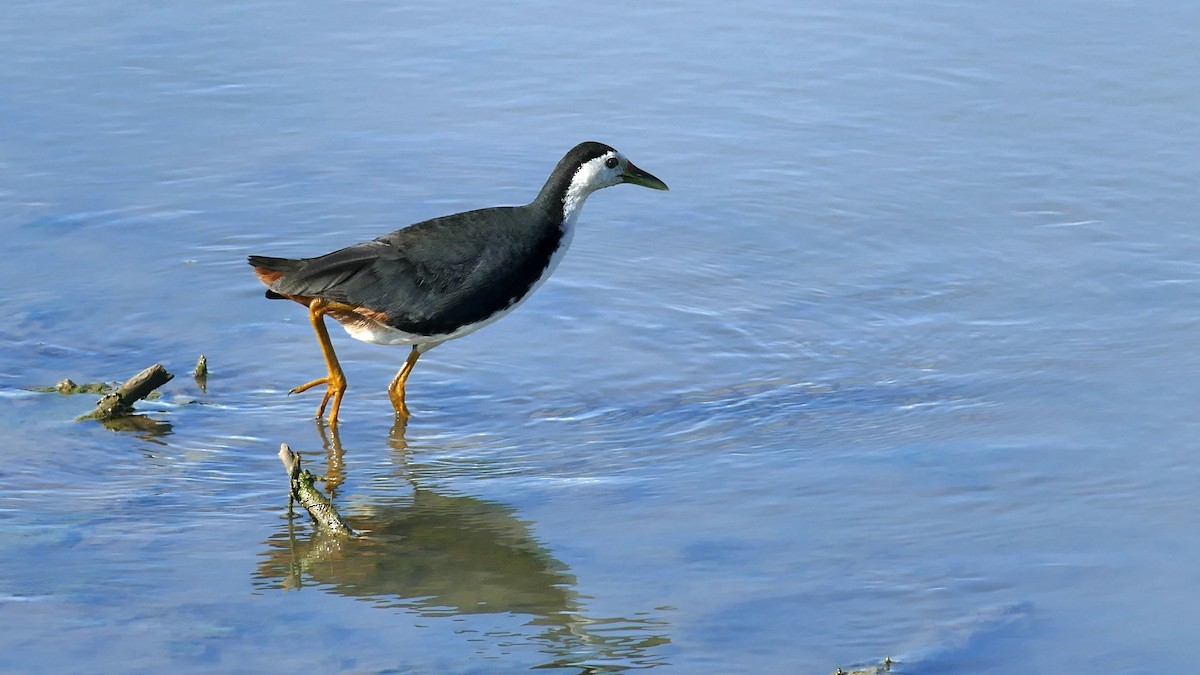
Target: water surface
904, 364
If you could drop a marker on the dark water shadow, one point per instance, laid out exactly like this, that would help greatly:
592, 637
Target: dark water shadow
447, 555
143, 426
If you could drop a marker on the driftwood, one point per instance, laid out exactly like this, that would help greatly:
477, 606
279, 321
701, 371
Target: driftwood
119, 402
324, 514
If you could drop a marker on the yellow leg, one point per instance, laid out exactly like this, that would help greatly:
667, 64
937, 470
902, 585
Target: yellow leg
396, 388
335, 381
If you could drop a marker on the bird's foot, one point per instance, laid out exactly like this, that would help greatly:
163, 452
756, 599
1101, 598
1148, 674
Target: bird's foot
308, 385
335, 387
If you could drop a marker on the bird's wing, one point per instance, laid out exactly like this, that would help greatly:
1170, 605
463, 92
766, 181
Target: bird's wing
329, 276
441, 274
429, 278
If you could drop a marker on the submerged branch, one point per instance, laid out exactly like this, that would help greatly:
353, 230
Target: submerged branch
68, 386
873, 669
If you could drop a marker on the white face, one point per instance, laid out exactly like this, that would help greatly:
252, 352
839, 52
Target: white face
601, 172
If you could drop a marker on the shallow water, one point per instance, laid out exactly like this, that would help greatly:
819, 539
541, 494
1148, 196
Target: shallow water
904, 364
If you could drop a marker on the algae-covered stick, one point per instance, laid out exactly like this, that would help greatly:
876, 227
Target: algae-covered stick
324, 514
120, 402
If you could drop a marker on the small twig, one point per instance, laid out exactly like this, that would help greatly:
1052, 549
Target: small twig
324, 514
201, 369
120, 402
200, 373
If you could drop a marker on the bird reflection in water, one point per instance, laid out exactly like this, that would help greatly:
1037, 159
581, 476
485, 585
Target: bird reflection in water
446, 556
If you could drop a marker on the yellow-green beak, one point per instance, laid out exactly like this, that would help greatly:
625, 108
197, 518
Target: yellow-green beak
636, 176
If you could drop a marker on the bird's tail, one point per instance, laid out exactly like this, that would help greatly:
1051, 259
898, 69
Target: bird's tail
270, 270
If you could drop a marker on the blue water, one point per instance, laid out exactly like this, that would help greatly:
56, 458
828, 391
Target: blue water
903, 365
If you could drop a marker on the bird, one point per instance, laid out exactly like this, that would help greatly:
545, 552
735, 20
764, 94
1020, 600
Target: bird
443, 278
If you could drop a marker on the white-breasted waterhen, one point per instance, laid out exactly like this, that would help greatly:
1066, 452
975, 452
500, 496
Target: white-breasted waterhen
443, 278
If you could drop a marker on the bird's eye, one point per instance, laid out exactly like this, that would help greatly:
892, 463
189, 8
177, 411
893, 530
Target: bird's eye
611, 162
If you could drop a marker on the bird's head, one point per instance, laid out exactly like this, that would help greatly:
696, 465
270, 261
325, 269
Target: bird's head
588, 167
601, 166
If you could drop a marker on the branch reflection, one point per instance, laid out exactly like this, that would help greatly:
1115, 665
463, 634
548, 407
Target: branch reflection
448, 555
